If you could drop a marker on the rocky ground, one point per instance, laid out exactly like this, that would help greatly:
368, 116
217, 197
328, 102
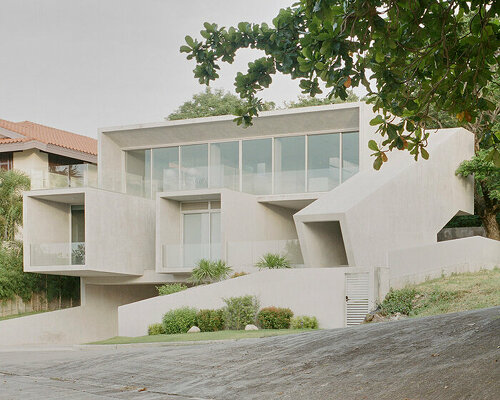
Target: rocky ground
453, 356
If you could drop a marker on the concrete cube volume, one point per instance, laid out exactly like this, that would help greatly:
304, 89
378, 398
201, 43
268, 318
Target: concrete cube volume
298, 183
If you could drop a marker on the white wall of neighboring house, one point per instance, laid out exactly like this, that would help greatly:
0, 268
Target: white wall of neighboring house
30, 160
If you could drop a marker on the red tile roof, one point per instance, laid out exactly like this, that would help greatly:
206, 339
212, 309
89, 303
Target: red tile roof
48, 135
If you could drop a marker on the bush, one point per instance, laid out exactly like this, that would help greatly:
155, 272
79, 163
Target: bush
274, 318
273, 261
207, 271
156, 329
170, 288
304, 322
398, 301
179, 320
240, 311
210, 320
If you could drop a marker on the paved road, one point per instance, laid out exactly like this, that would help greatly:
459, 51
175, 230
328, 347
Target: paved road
456, 356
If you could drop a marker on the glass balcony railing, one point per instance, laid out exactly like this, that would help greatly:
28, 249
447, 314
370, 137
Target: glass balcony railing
238, 254
64, 176
178, 256
51, 254
247, 254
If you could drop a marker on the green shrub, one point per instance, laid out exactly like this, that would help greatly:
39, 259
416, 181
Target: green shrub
304, 322
170, 288
398, 301
156, 329
274, 318
210, 320
240, 311
179, 320
207, 271
273, 261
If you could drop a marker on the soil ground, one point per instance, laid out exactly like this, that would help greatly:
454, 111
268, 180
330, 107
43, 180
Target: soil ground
451, 356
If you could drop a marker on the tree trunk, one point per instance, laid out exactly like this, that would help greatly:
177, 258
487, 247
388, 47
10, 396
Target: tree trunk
490, 224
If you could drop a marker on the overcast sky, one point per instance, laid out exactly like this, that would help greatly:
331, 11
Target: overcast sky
81, 65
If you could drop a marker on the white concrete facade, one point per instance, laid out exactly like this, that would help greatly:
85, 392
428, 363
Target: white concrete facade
314, 199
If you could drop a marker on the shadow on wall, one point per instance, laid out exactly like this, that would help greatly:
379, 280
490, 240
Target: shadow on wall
325, 244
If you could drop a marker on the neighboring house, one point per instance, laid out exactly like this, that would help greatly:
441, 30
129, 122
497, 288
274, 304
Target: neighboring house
298, 182
50, 157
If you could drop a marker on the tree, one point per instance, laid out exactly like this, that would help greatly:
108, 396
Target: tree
425, 57
12, 184
210, 103
308, 101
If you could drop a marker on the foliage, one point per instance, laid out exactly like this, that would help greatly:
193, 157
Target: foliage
170, 288
210, 320
14, 281
419, 54
211, 103
398, 301
273, 261
304, 322
487, 186
207, 271
308, 101
238, 274
463, 221
156, 329
12, 184
240, 311
274, 318
179, 320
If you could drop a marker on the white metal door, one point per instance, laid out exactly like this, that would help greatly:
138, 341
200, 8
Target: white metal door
356, 299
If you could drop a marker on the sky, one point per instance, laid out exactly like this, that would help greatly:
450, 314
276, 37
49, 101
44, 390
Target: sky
81, 65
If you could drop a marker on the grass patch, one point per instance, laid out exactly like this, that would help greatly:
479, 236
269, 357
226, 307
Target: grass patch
20, 315
454, 293
195, 337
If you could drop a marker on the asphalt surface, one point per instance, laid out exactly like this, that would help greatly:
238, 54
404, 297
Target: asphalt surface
453, 356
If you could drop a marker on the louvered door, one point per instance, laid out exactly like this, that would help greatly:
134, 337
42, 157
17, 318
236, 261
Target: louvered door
357, 293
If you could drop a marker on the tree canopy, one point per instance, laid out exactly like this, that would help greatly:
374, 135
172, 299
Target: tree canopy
424, 55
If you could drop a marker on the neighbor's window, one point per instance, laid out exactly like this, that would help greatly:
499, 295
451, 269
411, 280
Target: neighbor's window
6, 161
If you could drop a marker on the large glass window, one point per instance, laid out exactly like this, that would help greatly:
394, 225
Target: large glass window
350, 155
138, 172
289, 164
165, 169
257, 168
323, 163
194, 166
225, 165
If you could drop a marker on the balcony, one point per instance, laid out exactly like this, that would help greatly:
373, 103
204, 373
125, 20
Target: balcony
239, 255
51, 254
64, 176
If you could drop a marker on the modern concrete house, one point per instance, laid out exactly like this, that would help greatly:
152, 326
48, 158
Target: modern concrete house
298, 182
51, 157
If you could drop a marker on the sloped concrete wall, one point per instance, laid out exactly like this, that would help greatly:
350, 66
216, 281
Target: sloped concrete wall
318, 292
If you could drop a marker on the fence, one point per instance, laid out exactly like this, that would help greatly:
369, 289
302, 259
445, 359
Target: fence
37, 303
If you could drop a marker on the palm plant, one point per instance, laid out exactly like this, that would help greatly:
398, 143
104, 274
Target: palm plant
273, 261
207, 271
12, 184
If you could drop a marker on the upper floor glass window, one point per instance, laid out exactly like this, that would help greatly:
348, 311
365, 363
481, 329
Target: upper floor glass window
138, 171
350, 154
289, 164
257, 167
165, 169
323, 162
225, 165
6, 161
194, 166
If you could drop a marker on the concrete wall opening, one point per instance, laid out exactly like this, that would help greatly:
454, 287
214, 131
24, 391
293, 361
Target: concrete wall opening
325, 244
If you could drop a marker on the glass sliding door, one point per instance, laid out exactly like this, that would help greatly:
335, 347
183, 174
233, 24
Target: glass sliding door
289, 164
323, 162
77, 235
194, 167
225, 165
165, 169
257, 166
196, 240
350, 154
215, 236
138, 172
